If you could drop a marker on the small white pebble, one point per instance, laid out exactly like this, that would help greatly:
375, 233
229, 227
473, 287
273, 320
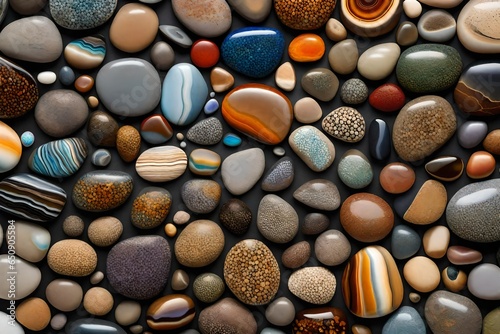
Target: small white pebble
183, 144
412, 8
58, 321
279, 151
47, 77
212, 94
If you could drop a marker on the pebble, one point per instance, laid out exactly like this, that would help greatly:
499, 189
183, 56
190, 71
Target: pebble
206, 132
315, 285
279, 151
437, 26
269, 330
227, 316
379, 139
170, 312
252, 10
86, 53
211, 107
72, 257
436, 241
131, 272
96, 277
313, 147
306, 48
251, 272
414, 297
343, 56
461, 255
66, 76
236, 216
32, 241
306, 110
491, 322
128, 312
472, 133
231, 140
345, 123
453, 279
447, 312
93, 102
320, 194
176, 35
99, 191
27, 7
105, 231
27, 138
332, 248
204, 162
162, 56
181, 217
277, 220
204, 53
412, 8
200, 195
405, 242
354, 91
377, 294
129, 87
492, 142
320, 83
102, 129
180, 280
355, 170
83, 15
87, 326
481, 164
73, 226
429, 68
59, 158
206, 18
280, 312
10, 148
199, 244
33, 313
445, 168
28, 277
388, 97
433, 121
29, 197
296, 255
84, 83
304, 15
208, 287
475, 26
335, 30
321, 320
470, 212
370, 20
101, 157
35, 39
58, 321
238, 175
407, 33
285, 77
279, 176
61, 112
98, 301
156, 130
405, 320
441, 3
46, 77
221, 80
315, 223
377, 62
422, 274
161, 164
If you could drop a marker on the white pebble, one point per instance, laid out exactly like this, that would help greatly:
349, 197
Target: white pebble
58, 321
412, 8
179, 136
47, 77
279, 151
96, 277
181, 217
183, 144
212, 94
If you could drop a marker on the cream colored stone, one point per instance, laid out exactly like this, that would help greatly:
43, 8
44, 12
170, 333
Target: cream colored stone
128, 312
436, 241
379, 61
478, 26
343, 56
422, 274
441, 3
307, 110
412, 8
335, 30
285, 77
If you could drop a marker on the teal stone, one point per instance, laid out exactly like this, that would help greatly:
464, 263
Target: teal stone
231, 140
86, 53
354, 169
313, 147
184, 94
405, 242
93, 326
429, 68
405, 320
27, 138
59, 158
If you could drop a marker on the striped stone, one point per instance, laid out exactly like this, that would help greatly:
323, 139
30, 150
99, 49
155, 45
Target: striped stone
161, 164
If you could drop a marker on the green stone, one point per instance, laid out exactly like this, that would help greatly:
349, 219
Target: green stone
354, 169
429, 68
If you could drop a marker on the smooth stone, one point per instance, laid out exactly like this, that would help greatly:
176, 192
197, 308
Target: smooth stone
105, 231
33, 313
98, 301
162, 56
252, 10
285, 77
63, 294
84, 83
405, 320
73, 226
101, 157
27, 278
99, 191
378, 62
35, 39
380, 139
27, 7
354, 169
129, 87
236, 216
134, 27
343, 57
491, 322
72, 257
296, 255
27, 138
453, 279
199, 244
66, 76
176, 35
206, 18
208, 287
206, 132
304, 15
461, 255
46, 77
102, 129
156, 130
429, 68
422, 274
445, 168
180, 280
82, 14
279, 151
238, 175
412, 8
433, 122
93, 326
345, 123
377, 292
204, 162
32, 241
211, 107
251, 272
476, 26
405, 242
29, 197
231, 140
10, 148
436, 241
441, 3
314, 223
492, 142
221, 80
277, 220
201, 196
481, 164
85, 53
335, 30
59, 158
388, 97
332, 248
437, 26
96, 277
320, 83
280, 312
354, 91
320, 320
447, 312
306, 48
161, 163
269, 330
279, 176
407, 33
61, 112
470, 212
170, 312
127, 312
306, 110
227, 316
315, 285
181, 217
58, 321
414, 297
204, 53
313, 147
473, 93
271, 112
370, 19
320, 194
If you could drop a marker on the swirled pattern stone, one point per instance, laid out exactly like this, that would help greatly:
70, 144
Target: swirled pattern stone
370, 18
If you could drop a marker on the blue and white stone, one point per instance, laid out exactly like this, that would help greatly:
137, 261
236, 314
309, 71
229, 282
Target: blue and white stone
82, 14
85, 53
101, 157
405, 320
313, 147
32, 241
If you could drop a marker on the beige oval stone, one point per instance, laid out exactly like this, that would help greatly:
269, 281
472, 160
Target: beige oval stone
64, 294
335, 30
206, 18
478, 27
379, 61
422, 274
128, 312
98, 301
307, 110
96, 277
221, 80
428, 205
442, 3
105, 231
315, 285
436, 241
161, 164
412, 8
343, 56
72, 257
285, 77
27, 279
34, 314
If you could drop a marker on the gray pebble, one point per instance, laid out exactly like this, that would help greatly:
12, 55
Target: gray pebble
280, 176
101, 157
354, 91
66, 76
73, 226
206, 132
208, 287
162, 56
176, 35
276, 219
200, 195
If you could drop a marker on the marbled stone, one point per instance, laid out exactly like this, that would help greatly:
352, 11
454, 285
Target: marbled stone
343, 56
436, 241
484, 281
82, 14
204, 162
227, 316
314, 223
437, 26
405, 320
315, 285
422, 274
127, 312
27, 278
354, 169
206, 18
155, 129
32, 241
476, 26
176, 35
199, 244
208, 287
307, 110
405, 242
240, 171
388, 97
370, 19
277, 220
332, 248
472, 133
320, 194
93, 326
280, 312
101, 157
462, 255
85, 53
10, 148
162, 56
407, 33
321, 320
335, 30
236, 216
161, 163
170, 312
180, 280
279, 176
377, 62
72, 257
102, 129
304, 15
296, 255
206, 132
200, 195
380, 139
345, 123
320, 83
313, 147
454, 279
445, 168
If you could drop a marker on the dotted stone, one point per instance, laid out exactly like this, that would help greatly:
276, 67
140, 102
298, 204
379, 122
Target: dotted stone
73, 226
208, 287
346, 124
354, 91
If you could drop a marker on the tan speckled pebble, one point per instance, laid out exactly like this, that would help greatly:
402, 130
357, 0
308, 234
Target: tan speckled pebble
98, 301
492, 142
128, 312
96, 277
72, 257
34, 314
73, 226
181, 217
422, 274
315, 285
128, 143
296, 255
428, 205
105, 231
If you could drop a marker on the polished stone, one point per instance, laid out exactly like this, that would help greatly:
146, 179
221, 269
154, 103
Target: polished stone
378, 62
445, 168
405, 320
307, 110
484, 281
412, 8
370, 19
32, 241
345, 123
320, 83
161, 163
221, 80
306, 48
93, 326
176, 35
280, 312
407, 33
405, 242
462, 255
313, 147
27, 278
343, 56
453, 279
332, 248
162, 56
422, 274
481, 164
354, 169
85, 53
206, 18
204, 53
10, 148
388, 97
380, 139
436, 241
170, 312
102, 129
285, 77
156, 130
204, 162
476, 26
238, 175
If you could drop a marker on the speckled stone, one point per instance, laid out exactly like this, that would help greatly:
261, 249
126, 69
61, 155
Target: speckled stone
345, 123
355, 170
200, 195
208, 287
437, 26
405, 320
105, 231
320, 83
33, 313
320, 194
354, 91
277, 220
98, 301
320, 320
454, 279
307, 110
128, 143
315, 285
238, 175
279, 176
236, 216
422, 274
72, 257
314, 223
332, 248
82, 326
102, 129
304, 15
227, 316
313, 147
83, 15
73, 226
343, 56
296, 255
280, 312
492, 142
405, 242
206, 18
206, 132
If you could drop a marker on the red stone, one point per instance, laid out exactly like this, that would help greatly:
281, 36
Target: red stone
204, 53
388, 98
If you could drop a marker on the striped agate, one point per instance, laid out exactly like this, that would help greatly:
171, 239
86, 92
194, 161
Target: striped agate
161, 163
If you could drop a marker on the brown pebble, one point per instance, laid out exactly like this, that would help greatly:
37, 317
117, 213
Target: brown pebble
170, 230
105, 231
397, 178
180, 280
137, 329
84, 83
93, 102
453, 279
428, 205
335, 30
72, 257
128, 143
73, 226
221, 80
492, 142
34, 314
360, 329
98, 301
414, 297
296, 255
96, 277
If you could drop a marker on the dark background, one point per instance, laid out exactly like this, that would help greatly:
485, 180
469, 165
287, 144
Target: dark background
252, 198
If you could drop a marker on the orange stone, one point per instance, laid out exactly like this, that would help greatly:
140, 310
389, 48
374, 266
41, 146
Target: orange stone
221, 80
396, 178
306, 48
481, 165
84, 83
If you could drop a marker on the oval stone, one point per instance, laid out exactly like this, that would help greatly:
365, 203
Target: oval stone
105, 231
422, 274
492, 142
102, 129
343, 57
200, 195
93, 326
405, 242
320, 194
445, 168
397, 178
85, 53
315, 285
280, 176
27, 278
436, 241
199, 244
151, 207
306, 48
476, 26
405, 320
277, 220
313, 147
161, 163
240, 171
388, 97
472, 133
481, 164
82, 14
454, 279
280, 312
32, 241
491, 322
345, 123
461, 255
320, 83
321, 320
128, 143
437, 26
162, 56
27, 308
407, 33
379, 61
484, 281
72, 257
226, 316
304, 15
10, 148
208, 287
170, 312
285, 77
296, 255
380, 139
206, 18
332, 248
335, 30
307, 110
354, 169
64, 294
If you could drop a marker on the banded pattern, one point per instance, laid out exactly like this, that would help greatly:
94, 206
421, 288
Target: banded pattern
85, 53
59, 158
204, 162
30, 197
161, 163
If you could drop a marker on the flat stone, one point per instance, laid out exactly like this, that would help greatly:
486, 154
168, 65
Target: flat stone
105, 231
176, 35
461, 255
199, 244
370, 20
238, 175
437, 26
445, 168
407, 33
280, 312
412, 8
306, 110
481, 164
335, 30
484, 281
320, 83
313, 147
206, 132
161, 163
304, 15
388, 97
277, 220
204, 162
405, 242
491, 322
476, 26
315, 285
72, 257
321, 319
127, 312
405, 320
332, 248
378, 62
200, 195
236, 216
285, 77
345, 123
208, 287
162, 56
227, 315
380, 139
252, 10
320, 194
296, 255
441, 3
102, 129
83, 15
27, 7
279, 176
85, 53
422, 274
10, 148
180, 280
27, 308
32, 241
170, 312
206, 18
93, 326
306, 48
453, 279
314, 223
354, 169
436, 241
27, 277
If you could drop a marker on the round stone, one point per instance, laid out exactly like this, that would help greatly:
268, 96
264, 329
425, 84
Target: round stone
307, 110
306, 48
388, 97
453, 279
72, 257
98, 301
492, 142
204, 53
84, 83
33, 313
397, 178
343, 56
105, 231
481, 164
73, 226
437, 26
332, 248
304, 15
128, 312
200, 195
405, 242
335, 30
66, 76
422, 274
280, 312
296, 255
355, 170
227, 316
315, 223
315, 285
208, 287
354, 91
206, 18
369, 18
377, 62
277, 220
27, 138
320, 83
162, 56
63, 294
102, 129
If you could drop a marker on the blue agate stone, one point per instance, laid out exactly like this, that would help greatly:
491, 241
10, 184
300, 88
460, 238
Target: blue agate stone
405, 320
